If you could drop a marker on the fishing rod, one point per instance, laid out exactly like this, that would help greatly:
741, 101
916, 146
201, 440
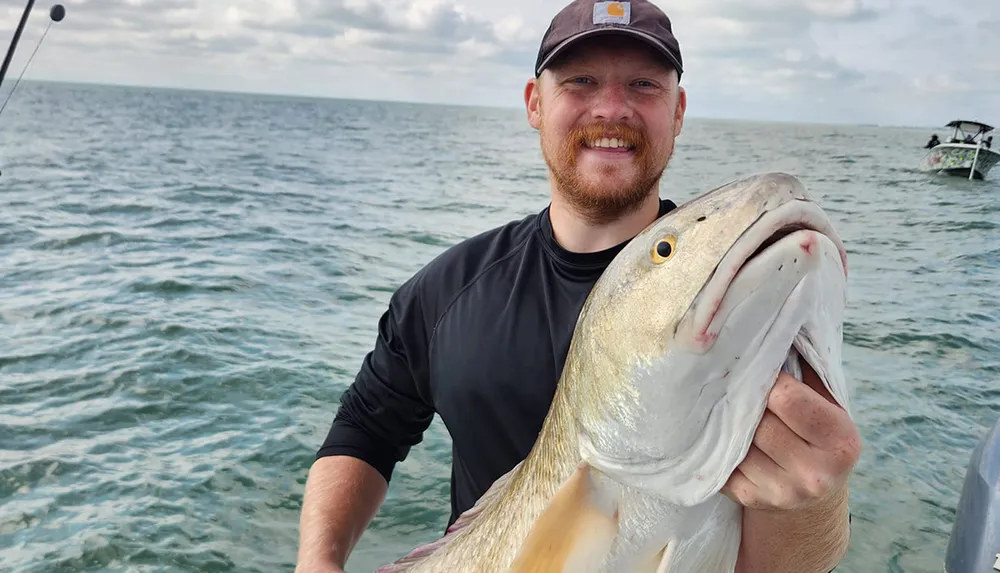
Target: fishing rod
56, 14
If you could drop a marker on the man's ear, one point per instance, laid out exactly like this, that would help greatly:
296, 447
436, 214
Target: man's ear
679, 111
532, 104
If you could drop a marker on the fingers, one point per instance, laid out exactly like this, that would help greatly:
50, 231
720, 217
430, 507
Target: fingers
775, 439
804, 447
808, 414
760, 482
760, 469
740, 489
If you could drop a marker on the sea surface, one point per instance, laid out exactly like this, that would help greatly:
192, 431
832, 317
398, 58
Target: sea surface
188, 281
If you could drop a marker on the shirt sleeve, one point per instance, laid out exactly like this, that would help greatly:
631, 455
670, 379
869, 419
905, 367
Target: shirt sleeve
387, 408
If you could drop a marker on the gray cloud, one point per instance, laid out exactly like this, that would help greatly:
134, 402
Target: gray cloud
369, 15
188, 43
421, 22
792, 12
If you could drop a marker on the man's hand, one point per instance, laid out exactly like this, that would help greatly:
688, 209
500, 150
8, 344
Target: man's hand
803, 451
793, 483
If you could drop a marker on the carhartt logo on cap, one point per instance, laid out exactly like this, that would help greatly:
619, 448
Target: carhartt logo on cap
612, 13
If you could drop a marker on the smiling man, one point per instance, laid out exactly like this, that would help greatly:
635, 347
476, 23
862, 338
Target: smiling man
479, 335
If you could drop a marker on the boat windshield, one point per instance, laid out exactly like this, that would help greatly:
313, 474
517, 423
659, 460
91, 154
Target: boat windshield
970, 132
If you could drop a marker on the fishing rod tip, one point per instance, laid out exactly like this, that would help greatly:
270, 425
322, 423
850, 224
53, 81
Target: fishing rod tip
57, 13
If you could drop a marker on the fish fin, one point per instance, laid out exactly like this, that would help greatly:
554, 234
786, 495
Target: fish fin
713, 547
422, 552
574, 532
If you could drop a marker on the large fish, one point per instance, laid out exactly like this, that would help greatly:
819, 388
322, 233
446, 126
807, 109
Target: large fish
667, 377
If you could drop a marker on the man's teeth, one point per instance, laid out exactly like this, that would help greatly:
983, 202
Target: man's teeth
611, 143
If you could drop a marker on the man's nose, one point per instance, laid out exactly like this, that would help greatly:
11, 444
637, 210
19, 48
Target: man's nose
612, 103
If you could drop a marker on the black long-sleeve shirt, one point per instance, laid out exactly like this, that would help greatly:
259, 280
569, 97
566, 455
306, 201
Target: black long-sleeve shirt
479, 335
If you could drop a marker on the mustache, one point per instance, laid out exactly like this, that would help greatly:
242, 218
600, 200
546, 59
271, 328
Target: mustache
595, 131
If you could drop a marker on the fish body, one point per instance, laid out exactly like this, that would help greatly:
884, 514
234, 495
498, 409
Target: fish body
666, 379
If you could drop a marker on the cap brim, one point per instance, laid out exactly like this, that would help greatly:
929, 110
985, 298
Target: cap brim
632, 32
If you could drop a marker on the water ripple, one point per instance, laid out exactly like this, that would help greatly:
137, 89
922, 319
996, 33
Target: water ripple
191, 280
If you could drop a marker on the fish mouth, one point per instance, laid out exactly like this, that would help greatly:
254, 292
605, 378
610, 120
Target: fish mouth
774, 238
700, 325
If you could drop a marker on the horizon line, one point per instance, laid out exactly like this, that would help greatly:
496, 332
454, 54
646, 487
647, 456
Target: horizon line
292, 95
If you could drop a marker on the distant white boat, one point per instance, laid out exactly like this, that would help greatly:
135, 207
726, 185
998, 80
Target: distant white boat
966, 154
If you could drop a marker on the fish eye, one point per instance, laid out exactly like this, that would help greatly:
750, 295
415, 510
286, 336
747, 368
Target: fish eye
664, 249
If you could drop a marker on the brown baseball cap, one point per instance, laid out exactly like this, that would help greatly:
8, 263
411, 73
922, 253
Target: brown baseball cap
582, 19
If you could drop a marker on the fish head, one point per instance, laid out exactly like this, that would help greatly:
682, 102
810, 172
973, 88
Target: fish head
684, 334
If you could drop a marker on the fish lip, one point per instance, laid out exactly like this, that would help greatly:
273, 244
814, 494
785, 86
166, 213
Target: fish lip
694, 329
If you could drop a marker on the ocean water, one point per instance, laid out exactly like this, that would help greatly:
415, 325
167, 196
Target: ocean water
190, 280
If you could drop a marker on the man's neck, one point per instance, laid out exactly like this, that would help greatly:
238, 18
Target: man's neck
576, 234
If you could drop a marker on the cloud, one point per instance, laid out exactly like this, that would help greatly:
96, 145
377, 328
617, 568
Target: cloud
924, 59
868, 61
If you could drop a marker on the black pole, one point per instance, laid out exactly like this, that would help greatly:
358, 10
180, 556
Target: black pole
13, 42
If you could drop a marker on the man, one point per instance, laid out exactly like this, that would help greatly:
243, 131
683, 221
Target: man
479, 335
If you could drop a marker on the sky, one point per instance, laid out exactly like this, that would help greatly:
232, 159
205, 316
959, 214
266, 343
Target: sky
885, 62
